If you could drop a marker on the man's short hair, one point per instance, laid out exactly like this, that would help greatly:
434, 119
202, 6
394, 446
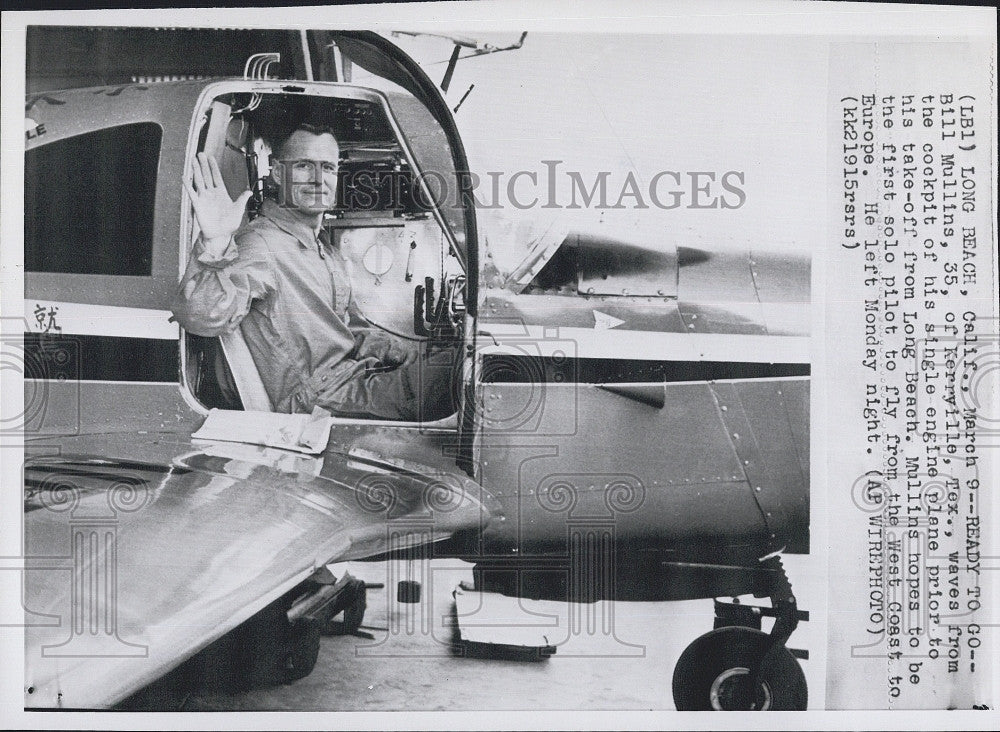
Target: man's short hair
278, 142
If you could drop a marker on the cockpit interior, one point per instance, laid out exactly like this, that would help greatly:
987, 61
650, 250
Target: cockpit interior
390, 220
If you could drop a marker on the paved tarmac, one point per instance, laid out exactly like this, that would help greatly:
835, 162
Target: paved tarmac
609, 656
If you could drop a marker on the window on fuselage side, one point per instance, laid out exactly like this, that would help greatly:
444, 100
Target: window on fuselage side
89, 202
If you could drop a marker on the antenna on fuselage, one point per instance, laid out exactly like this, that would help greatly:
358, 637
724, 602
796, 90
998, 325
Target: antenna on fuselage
257, 67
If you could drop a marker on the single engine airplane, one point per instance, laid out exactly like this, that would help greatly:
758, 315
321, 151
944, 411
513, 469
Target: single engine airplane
632, 422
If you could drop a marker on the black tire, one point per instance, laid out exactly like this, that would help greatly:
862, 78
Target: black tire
713, 673
303, 649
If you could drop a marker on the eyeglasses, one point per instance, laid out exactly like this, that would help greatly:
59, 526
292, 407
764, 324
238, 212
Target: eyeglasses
315, 167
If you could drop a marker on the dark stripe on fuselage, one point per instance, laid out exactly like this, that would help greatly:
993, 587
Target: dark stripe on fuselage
100, 358
505, 368
113, 358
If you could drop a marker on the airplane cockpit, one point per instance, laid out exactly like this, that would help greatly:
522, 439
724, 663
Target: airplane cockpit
396, 220
688, 369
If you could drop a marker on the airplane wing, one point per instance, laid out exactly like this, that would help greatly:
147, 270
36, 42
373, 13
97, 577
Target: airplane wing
134, 563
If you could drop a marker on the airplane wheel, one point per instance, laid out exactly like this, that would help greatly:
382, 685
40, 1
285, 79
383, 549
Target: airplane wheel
714, 673
303, 650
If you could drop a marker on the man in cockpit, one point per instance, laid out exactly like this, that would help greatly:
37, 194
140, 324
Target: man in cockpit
287, 287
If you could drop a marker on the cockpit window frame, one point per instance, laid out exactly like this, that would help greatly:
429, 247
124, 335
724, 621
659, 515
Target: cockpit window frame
199, 121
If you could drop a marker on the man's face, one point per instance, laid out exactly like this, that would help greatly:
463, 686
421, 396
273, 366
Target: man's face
306, 172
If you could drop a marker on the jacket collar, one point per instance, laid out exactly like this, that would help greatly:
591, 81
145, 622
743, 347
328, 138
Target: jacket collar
290, 223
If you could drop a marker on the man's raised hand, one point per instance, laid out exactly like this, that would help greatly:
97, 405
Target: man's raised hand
219, 216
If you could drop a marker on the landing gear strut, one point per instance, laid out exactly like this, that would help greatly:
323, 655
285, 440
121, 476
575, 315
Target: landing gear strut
739, 667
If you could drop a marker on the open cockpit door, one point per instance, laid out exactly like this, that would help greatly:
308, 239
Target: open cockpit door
383, 59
